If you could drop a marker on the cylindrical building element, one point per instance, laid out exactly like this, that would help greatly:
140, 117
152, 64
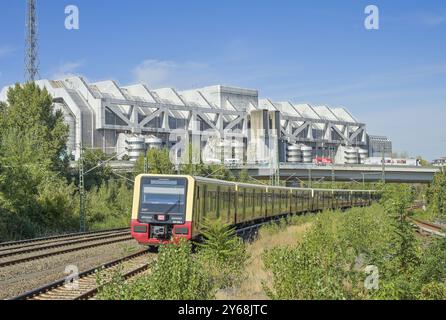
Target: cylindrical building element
136, 147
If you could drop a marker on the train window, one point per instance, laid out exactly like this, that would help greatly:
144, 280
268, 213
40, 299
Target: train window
232, 207
282, 202
271, 207
203, 201
197, 206
218, 203
252, 204
279, 202
268, 202
228, 204
300, 200
213, 204
248, 204
262, 210
244, 205
222, 206
163, 197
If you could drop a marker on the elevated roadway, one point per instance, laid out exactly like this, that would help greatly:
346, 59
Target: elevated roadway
359, 173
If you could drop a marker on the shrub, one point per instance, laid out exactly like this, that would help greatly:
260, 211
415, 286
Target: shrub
109, 206
313, 269
176, 275
436, 195
222, 255
330, 261
433, 291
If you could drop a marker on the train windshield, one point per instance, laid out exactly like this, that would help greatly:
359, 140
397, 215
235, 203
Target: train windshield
163, 198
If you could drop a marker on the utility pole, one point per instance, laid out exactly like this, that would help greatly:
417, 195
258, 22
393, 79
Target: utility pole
383, 165
81, 190
332, 168
31, 55
277, 171
310, 184
146, 161
82, 174
275, 159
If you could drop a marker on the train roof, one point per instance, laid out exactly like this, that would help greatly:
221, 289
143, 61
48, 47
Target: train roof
250, 185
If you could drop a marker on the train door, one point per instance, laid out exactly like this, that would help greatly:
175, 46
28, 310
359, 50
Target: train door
232, 205
204, 205
217, 207
293, 208
196, 214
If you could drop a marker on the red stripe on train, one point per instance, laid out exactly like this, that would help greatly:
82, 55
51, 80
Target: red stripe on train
144, 237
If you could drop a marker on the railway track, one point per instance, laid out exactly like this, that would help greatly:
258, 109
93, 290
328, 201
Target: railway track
426, 228
30, 242
59, 248
46, 246
87, 287
429, 228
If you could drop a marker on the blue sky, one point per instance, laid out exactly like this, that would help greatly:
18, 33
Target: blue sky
393, 79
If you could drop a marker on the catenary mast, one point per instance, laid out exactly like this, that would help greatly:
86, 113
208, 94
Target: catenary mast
31, 55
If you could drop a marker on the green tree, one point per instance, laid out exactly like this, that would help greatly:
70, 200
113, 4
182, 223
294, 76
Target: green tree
30, 110
423, 162
158, 161
397, 199
436, 195
34, 193
244, 176
109, 205
102, 172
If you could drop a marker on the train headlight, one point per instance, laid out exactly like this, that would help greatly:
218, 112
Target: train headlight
140, 229
182, 231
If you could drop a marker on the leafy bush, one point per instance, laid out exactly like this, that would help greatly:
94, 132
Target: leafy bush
176, 275
433, 291
436, 195
35, 196
330, 261
223, 255
313, 269
109, 206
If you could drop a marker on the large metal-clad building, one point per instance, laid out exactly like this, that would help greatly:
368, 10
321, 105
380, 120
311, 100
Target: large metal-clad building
124, 120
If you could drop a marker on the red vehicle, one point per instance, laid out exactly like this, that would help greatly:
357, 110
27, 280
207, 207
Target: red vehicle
322, 161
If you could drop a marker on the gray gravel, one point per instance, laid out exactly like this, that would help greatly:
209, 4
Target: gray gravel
23, 277
79, 245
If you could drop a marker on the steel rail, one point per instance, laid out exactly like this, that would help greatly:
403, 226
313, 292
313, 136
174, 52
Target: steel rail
50, 254
93, 292
430, 228
59, 283
61, 244
60, 240
13, 243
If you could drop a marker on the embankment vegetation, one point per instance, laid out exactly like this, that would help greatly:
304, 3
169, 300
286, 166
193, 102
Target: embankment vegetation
365, 253
177, 274
362, 253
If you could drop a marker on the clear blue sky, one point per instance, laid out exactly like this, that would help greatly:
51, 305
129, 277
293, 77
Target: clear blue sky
393, 79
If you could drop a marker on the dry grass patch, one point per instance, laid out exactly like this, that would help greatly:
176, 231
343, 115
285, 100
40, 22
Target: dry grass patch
251, 287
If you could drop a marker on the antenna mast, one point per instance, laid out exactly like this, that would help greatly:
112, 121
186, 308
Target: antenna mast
31, 67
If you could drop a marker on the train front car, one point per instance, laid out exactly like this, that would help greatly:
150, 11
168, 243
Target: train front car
162, 209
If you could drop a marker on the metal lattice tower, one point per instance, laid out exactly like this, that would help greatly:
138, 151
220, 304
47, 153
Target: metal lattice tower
82, 219
31, 63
